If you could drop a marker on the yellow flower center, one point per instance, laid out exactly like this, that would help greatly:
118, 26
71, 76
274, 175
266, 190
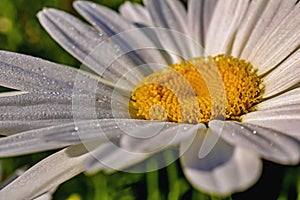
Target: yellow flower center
180, 93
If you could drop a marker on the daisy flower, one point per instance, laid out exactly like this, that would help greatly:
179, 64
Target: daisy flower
217, 82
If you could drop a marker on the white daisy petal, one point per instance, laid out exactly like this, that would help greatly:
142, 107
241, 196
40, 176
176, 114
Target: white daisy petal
223, 171
135, 13
55, 111
110, 22
63, 135
26, 99
169, 135
76, 37
33, 74
279, 44
171, 14
284, 119
11, 94
36, 112
264, 22
25, 143
10, 127
271, 145
110, 158
251, 18
208, 11
168, 14
93, 130
291, 97
224, 25
37, 75
284, 76
47, 195
83, 42
195, 8
47, 174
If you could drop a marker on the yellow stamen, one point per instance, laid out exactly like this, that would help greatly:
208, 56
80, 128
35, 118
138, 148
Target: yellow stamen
180, 93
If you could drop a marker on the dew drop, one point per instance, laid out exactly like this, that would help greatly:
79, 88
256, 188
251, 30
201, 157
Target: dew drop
254, 132
76, 128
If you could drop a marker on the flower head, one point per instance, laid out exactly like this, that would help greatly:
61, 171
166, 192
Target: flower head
218, 82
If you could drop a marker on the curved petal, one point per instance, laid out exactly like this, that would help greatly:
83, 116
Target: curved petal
251, 18
223, 171
283, 119
135, 13
51, 110
265, 22
10, 127
11, 93
163, 135
110, 22
171, 15
47, 174
34, 74
40, 76
269, 144
195, 25
283, 40
224, 24
284, 76
26, 99
65, 134
291, 97
208, 12
82, 41
168, 14
109, 157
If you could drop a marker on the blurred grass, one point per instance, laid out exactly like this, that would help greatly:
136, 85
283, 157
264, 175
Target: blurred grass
20, 32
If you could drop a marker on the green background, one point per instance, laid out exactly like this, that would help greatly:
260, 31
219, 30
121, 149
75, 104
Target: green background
21, 32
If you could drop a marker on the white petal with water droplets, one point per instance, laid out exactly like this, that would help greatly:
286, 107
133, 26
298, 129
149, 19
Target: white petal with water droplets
288, 98
269, 144
110, 22
10, 127
34, 74
51, 110
47, 174
59, 136
285, 119
37, 75
26, 99
223, 171
98, 130
82, 41
284, 76
162, 135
